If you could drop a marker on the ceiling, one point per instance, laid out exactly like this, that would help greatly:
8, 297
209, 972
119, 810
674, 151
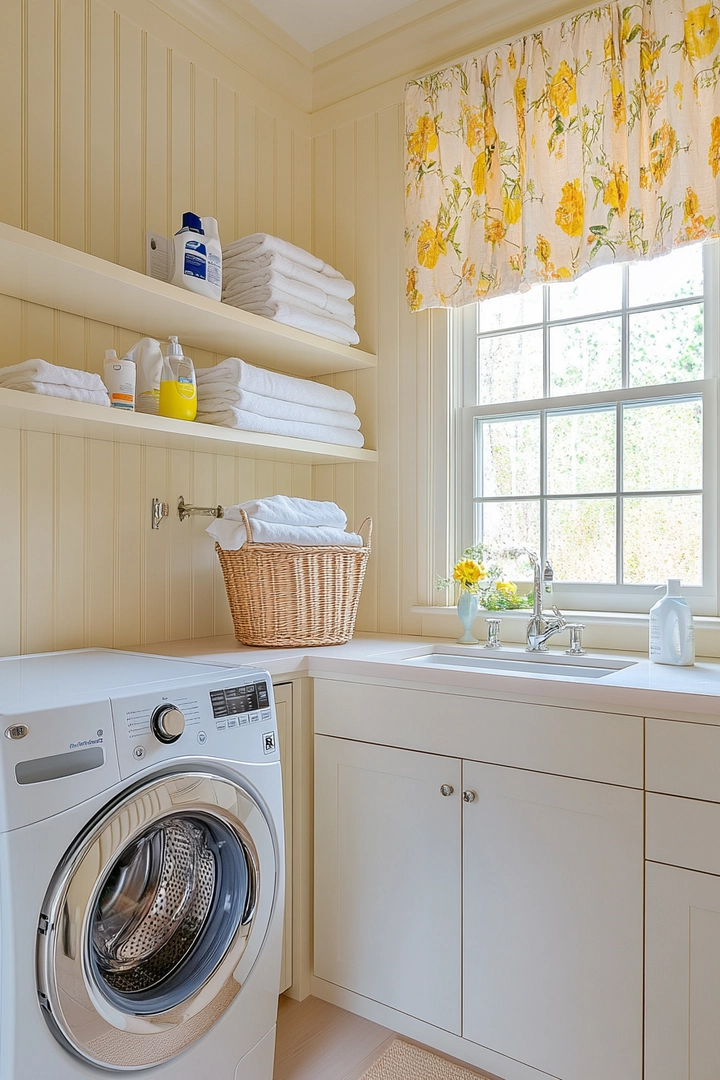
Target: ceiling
315, 23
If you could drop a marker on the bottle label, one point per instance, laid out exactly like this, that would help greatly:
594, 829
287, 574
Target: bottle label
214, 269
195, 263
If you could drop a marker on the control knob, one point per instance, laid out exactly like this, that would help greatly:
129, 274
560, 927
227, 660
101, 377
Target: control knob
168, 723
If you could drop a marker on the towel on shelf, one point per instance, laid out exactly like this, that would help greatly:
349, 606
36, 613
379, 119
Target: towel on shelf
259, 268
289, 292
40, 371
56, 390
263, 243
290, 315
289, 510
210, 400
236, 374
266, 294
247, 421
231, 535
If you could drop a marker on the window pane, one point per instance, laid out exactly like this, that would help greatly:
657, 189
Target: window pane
666, 346
586, 357
510, 457
581, 539
510, 367
519, 309
667, 278
662, 538
506, 525
598, 290
662, 446
581, 451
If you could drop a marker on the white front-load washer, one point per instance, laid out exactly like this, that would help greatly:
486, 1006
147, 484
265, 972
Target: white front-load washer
141, 868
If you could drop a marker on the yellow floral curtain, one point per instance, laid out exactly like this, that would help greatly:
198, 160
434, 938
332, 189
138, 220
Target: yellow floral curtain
596, 140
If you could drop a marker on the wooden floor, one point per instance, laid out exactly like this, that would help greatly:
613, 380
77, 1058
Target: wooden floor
318, 1041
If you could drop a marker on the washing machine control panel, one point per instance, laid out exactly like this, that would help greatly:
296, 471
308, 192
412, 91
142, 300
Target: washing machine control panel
231, 717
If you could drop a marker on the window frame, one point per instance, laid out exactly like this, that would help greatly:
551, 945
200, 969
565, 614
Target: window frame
704, 599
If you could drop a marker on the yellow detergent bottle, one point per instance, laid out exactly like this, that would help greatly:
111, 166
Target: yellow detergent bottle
178, 390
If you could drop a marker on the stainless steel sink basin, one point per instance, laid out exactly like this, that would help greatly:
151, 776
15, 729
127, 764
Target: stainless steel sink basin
518, 661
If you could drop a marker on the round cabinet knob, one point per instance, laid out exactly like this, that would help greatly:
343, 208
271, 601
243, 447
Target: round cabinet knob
469, 796
447, 789
168, 723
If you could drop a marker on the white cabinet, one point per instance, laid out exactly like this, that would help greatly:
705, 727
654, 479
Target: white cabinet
388, 876
553, 895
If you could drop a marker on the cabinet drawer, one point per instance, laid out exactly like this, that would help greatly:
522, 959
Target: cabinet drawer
569, 742
683, 759
683, 832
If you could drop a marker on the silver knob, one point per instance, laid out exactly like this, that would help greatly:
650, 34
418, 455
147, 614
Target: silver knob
493, 638
576, 647
168, 723
469, 796
447, 789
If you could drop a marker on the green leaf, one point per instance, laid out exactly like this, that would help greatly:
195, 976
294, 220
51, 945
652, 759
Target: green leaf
598, 183
598, 230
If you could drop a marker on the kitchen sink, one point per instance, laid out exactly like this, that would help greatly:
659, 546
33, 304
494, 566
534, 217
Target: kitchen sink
518, 661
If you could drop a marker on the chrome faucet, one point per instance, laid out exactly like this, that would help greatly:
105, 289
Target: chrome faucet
541, 627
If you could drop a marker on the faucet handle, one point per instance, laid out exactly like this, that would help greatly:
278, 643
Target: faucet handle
493, 638
576, 648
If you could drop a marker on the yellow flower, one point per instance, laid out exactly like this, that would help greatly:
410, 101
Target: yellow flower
561, 90
616, 189
663, 146
608, 47
654, 95
649, 53
701, 32
691, 205
431, 245
645, 181
512, 209
468, 572
714, 151
413, 296
423, 140
618, 98
512, 62
542, 248
468, 271
490, 131
494, 230
506, 589
571, 208
475, 128
678, 92
517, 262
478, 175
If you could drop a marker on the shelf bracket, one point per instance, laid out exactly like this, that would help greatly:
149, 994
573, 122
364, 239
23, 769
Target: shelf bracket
159, 511
186, 510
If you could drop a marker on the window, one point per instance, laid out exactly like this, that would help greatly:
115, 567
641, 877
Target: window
588, 429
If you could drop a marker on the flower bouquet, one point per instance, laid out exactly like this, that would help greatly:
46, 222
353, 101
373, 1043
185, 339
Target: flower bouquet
482, 585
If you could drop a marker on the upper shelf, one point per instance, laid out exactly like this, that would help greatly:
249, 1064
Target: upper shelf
53, 275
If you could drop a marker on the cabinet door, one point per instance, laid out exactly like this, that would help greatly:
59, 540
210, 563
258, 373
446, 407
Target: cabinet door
283, 708
682, 964
553, 922
388, 877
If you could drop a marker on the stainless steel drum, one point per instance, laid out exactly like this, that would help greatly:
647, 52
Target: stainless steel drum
154, 919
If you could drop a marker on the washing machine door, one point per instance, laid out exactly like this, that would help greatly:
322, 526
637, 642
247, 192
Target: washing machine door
154, 919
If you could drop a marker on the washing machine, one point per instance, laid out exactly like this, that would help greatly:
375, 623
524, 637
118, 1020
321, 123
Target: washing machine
141, 868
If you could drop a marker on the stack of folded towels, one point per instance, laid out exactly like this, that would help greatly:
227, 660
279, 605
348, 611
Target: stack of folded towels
237, 395
281, 519
272, 277
39, 377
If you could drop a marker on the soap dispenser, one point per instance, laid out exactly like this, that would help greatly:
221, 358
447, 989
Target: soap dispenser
178, 389
672, 633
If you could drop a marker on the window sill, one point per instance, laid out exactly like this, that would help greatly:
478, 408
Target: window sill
602, 618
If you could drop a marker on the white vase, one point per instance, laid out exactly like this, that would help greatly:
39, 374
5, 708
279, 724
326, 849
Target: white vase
467, 609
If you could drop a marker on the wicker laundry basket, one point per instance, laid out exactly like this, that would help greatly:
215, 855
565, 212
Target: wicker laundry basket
284, 595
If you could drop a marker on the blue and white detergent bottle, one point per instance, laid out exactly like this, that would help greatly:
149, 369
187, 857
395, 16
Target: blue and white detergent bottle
672, 633
190, 258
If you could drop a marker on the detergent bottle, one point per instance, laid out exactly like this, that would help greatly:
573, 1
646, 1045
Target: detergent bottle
178, 389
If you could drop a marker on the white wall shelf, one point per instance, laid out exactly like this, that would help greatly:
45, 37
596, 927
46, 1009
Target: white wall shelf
55, 276
34, 412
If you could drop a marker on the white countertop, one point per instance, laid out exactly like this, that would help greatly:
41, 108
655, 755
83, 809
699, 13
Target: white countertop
647, 689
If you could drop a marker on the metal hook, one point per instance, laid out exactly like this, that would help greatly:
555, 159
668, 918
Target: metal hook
186, 510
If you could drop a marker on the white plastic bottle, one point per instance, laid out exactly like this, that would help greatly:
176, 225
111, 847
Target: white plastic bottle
148, 359
214, 255
119, 378
190, 264
672, 633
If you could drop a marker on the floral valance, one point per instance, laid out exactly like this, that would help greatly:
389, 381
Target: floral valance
595, 140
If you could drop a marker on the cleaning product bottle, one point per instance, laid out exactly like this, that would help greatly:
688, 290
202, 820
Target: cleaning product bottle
214, 255
148, 359
178, 390
672, 634
190, 264
119, 378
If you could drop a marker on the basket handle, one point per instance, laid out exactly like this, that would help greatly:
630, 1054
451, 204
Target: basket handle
246, 523
368, 522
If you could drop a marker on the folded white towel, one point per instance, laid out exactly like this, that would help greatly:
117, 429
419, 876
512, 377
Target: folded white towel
212, 401
247, 421
279, 287
42, 371
290, 315
288, 510
234, 373
262, 243
231, 535
268, 294
258, 267
69, 393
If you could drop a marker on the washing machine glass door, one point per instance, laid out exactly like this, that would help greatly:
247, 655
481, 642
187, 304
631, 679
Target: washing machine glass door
154, 919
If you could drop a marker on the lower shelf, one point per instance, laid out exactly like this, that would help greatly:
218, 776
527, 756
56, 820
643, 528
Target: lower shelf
33, 412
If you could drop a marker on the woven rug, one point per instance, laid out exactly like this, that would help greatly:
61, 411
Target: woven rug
403, 1061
